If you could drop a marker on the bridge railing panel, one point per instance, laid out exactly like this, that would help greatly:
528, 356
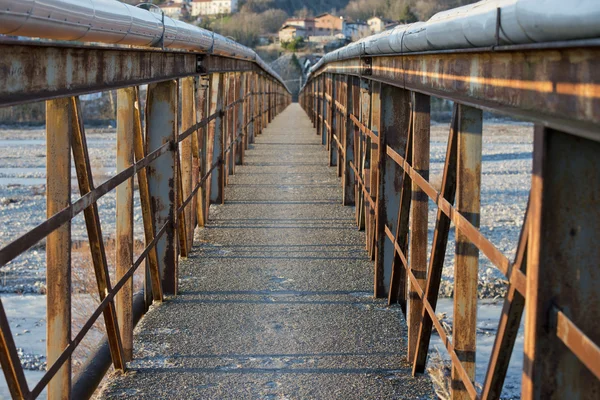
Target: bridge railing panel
197, 123
374, 116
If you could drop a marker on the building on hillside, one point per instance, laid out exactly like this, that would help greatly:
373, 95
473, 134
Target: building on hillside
378, 24
175, 9
289, 32
213, 7
328, 25
308, 24
356, 30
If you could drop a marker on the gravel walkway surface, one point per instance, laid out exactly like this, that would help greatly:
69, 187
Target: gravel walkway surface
275, 299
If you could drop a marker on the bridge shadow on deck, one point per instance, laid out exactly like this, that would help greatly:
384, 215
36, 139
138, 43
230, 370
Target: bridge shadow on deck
275, 299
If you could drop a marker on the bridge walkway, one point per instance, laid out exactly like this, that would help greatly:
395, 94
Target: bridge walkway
275, 301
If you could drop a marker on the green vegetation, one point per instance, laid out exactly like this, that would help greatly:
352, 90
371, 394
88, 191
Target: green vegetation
294, 44
265, 17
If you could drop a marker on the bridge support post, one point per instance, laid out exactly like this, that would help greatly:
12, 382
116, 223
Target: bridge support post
59, 121
362, 163
161, 127
333, 122
201, 152
188, 119
562, 269
373, 165
126, 103
419, 216
217, 139
393, 198
251, 107
468, 183
230, 124
319, 103
240, 121
349, 180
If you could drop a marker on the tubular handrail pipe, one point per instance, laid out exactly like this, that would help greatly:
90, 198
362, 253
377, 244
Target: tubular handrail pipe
116, 23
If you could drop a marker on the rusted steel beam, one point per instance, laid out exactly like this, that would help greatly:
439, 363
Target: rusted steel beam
188, 119
202, 93
560, 87
419, 216
466, 266
59, 118
9, 360
399, 266
126, 103
348, 176
217, 138
438, 249
363, 153
83, 169
240, 119
153, 285
231, 115
340, 127
393, 131
161, 127
562, 267
508, 327
37, 71
180, 221
373, 179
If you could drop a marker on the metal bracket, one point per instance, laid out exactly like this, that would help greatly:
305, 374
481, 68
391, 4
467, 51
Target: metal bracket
368, 66
200, 68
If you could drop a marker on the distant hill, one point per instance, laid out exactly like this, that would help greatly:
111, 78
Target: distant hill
361, 9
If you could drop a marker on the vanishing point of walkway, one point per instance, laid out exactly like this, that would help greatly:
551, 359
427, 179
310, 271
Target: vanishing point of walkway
275, 301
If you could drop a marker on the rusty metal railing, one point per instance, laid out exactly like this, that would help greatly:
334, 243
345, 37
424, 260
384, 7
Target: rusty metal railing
181, 165
373, 114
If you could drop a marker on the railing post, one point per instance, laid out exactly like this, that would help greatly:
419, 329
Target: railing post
201, 153
59, 117
349, 178
251, 108
468, 183
362, 153
230, 124
188, 119
126, 103
333, 121
419, 216
161, 127
373, 157
325, 111
391, 116
240, 118
562, 267
217, 137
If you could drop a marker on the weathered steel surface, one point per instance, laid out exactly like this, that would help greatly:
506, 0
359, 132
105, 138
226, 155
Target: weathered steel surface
348, 180
153, 285
468, 203
562, 264
126, 103
418, 217
9, 360
217, 138
59, 118
188, 119
394, 129
161, 127
438, 249
39, 71
557, 87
